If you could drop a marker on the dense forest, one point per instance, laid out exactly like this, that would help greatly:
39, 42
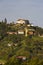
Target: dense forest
18, 49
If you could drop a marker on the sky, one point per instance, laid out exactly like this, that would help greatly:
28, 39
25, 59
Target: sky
22, 9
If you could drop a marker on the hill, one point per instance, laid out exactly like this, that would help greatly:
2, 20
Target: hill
21, 44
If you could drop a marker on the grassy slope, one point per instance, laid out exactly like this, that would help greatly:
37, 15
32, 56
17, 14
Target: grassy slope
21, 50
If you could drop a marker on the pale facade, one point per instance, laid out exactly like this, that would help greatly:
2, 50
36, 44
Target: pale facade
20, 32
21, 21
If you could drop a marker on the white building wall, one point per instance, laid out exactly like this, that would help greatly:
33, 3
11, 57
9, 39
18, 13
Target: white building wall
21, 22
20, 32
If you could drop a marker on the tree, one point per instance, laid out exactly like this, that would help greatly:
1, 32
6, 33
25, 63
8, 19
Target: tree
27, 21
5, 20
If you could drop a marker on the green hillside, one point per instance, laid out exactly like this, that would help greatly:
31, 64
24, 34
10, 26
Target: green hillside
18, 49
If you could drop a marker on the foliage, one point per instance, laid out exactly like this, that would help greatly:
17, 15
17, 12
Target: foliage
14, 45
